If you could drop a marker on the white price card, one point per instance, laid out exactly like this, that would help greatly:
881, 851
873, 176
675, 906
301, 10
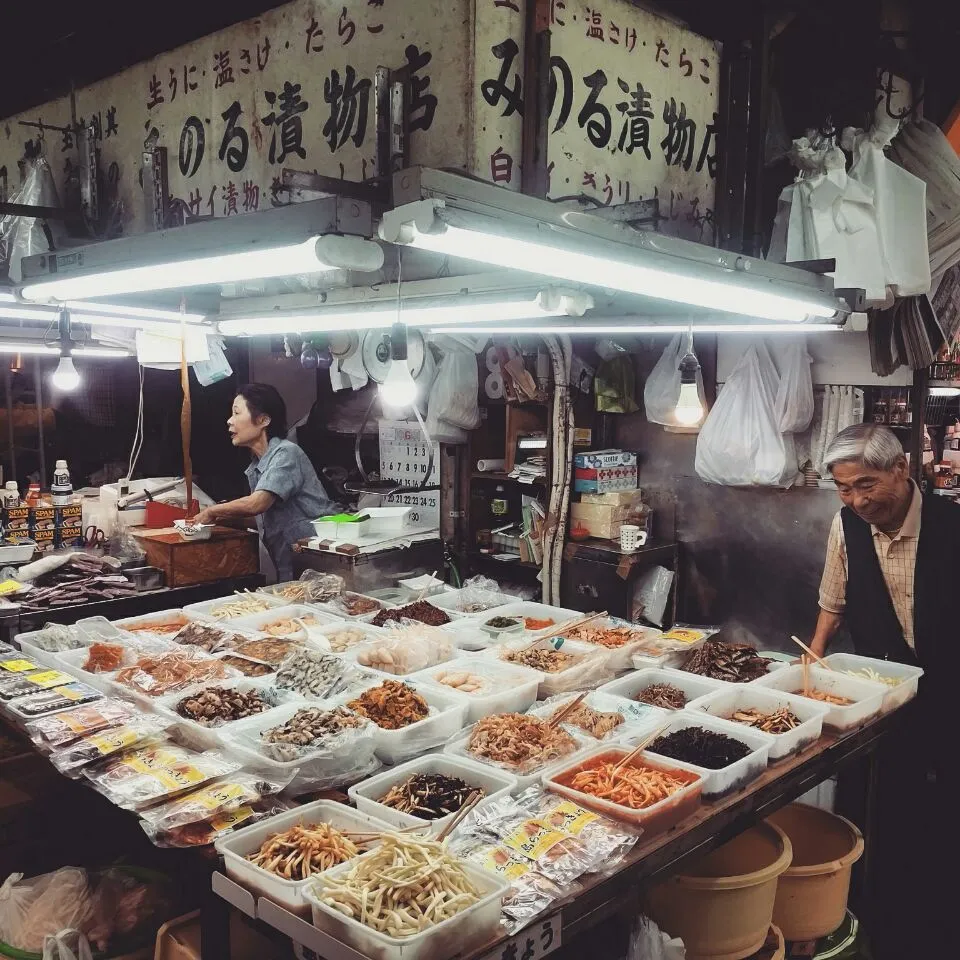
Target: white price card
405, 457
531, 943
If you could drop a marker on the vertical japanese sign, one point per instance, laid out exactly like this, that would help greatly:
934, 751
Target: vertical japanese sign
293, 88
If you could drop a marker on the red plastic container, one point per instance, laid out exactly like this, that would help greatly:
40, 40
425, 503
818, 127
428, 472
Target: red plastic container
162, 514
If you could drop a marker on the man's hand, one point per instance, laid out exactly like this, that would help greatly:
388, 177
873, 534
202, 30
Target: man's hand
205, 516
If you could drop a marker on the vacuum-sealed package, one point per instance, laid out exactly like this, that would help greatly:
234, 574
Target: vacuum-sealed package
69, 725
139, 732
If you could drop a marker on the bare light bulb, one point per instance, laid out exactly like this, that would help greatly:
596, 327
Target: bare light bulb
65, 377
399, 389
689, 410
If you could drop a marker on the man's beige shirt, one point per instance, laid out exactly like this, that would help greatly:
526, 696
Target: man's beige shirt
898, 559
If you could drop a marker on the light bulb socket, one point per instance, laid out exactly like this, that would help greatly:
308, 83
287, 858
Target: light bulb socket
398, 342
689, 367
63, 327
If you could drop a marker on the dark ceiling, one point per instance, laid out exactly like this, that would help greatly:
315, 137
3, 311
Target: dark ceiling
48, 45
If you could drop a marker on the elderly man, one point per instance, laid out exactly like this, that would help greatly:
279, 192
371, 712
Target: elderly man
891, 576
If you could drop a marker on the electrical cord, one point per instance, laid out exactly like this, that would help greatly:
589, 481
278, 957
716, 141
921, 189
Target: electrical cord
137, 434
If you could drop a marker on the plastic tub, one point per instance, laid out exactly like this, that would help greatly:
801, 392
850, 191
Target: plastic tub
33, 652
540, 611
723, 703
315, 768
419, 588
512, 689
451, 603
258, 623
163, 619
653, 819
73, 660
633, 683
288, 893
639, 719
467, 930
908, 676
334, 608
867, 696
717, 783
447, 713
439, 653
204, 609
591, 669
366, 794
812, 894
722, 905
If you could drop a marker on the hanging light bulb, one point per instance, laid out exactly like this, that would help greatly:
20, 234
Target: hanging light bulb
65, 377
398, 389
689, 409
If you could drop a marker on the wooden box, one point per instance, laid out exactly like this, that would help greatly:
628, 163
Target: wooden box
228, 553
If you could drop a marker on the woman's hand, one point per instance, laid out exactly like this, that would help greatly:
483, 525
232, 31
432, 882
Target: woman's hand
205, 516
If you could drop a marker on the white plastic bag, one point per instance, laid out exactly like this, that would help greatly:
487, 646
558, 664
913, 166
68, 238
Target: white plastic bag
662, 389
453, 398
740, 443
794, 402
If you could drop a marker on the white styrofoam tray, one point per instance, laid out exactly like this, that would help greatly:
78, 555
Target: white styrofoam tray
461, 933
237, 846
639, 719
722, 703
366, 794
511, 689
867, 696
633, 683
257, 622
446, 719
717, 783
204, 609
908, 676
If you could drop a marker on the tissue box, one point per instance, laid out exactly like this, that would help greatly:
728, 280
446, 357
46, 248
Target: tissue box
605, 471
622, 498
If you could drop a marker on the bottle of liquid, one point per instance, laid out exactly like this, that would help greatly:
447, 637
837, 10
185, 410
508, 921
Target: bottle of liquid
11, 494
62, 488
33, 495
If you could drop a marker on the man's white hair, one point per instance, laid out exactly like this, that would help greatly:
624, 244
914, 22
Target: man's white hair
870, 444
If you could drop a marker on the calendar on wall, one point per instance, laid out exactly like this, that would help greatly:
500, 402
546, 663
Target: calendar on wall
405, 457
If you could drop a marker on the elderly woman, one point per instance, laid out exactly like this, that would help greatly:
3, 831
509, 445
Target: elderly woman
893, 559
285, 492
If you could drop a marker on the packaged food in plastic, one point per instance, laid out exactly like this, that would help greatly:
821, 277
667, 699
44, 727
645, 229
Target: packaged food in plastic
53, 701
207, 637
350, 604
56, 637
312, 673
599, 715
32, 910
155, 675
562, 664
69, 725
14, 685
140, 732
248, 667
405, 650
146, 776
272, 650
312, 731
200, 833
227, 793
321, 587
480, 593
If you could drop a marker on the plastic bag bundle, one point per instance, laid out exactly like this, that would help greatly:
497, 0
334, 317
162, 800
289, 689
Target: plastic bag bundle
201, 833
650, 594
740, 443
41, 907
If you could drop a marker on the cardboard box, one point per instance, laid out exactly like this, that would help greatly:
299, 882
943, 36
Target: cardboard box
68, 516
597, 459
71, 536
605, 471
16, 520
42, 518
600, 520
623, 498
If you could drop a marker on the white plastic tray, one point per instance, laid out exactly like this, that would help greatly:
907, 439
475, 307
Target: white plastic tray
467, 930
450, 602
512, 690
446, 719
722, 703
717, 783
365, 795
639, 719
161, 616
354, 654
528, 608
288, 893
319, 637
258, 621
621, 658
457, 747
202, 610
692, 685
72, 661
896, 696
330, 606
319, 765
199, 737
867, 696
45, 657
593, 669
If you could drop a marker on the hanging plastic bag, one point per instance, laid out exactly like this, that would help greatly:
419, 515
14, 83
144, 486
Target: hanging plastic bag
453, 398
662, 389
794, 401
740, 443
614, 384
24, 236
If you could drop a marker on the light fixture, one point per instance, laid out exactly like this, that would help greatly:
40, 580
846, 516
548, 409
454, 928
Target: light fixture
689, 409
317, 254
65, 377
944, 391
417, 312
398, 390
34, 348
99, 314
592, 328
453, 216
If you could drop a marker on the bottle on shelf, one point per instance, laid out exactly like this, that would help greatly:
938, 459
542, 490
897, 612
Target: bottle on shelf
11, 494
62, 489
33, 495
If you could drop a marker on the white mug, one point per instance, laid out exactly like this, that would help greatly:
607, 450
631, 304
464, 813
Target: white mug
631, 537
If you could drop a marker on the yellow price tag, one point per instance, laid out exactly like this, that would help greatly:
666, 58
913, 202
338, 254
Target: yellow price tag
69, 694
49, 678
19, 666
10, 586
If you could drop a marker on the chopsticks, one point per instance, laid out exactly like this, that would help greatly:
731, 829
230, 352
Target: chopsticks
642, 745
567, 710
571, 625
823, 663
472, 801
423, 592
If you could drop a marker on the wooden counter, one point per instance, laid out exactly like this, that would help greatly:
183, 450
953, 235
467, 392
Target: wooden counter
228, 553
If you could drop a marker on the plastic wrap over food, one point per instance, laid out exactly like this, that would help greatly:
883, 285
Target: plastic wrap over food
317, 732
599, 715
207, 637
142, 777
212, 705
321, 587
563, 665
313, 673
480, 593
56, 637
406, 650
157, 675
201, 833
140, 732
49, 733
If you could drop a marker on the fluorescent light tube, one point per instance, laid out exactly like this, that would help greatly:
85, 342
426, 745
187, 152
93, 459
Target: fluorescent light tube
605, 270
310, 256
101, 314
130, 314
945, 391
592, 329
46, 350
414, 314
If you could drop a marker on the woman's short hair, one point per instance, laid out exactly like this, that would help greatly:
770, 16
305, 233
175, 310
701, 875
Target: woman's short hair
870, 444
264, 399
